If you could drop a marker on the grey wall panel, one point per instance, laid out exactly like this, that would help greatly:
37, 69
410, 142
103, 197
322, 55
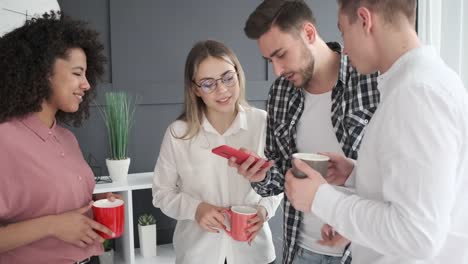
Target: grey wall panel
96, 13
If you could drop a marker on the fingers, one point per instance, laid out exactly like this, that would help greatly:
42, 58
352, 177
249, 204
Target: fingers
209, 228
80, 244
99, 227
87, 240
244, 167
94, 236
232, 163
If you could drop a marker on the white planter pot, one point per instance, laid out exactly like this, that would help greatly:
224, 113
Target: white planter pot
147, 237
118, 169
107, 257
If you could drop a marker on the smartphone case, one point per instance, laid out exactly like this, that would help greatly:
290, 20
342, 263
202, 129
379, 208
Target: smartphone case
228, 152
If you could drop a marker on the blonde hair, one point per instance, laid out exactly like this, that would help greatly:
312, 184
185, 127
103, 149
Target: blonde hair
194, 105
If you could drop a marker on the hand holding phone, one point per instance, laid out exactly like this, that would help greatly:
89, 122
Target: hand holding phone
228, 152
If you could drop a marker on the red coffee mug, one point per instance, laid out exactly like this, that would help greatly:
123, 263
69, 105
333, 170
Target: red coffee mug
238, 217
110, 214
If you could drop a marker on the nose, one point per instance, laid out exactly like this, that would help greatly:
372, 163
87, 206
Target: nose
220, 86
277, 68
85, 84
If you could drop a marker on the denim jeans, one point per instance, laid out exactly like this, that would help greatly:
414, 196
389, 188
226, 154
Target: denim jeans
305, 256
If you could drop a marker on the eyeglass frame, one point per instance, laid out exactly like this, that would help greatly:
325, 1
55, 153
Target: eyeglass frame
216, 81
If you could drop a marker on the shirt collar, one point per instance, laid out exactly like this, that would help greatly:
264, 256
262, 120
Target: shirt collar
33, 122
240, 123
344, 61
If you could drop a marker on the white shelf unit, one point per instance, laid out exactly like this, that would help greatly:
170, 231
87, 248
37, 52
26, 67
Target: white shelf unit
125, 246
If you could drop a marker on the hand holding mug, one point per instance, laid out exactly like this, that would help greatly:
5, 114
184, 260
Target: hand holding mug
301, 191
210, 217
239, 218
77, 228
111, 214
256, 223
339, 168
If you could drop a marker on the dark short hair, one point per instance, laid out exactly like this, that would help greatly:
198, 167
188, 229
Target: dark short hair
389, 8
27, 57
288, 15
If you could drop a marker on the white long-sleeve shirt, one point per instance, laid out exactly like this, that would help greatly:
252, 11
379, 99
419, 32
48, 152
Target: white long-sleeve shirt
412, 172
188, 173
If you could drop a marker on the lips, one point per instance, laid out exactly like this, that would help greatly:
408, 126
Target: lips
79, 96
223, 100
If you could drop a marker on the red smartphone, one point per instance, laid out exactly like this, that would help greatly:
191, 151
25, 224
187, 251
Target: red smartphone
228, 152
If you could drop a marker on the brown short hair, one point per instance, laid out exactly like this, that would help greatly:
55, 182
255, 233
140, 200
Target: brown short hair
288, 15
389, 8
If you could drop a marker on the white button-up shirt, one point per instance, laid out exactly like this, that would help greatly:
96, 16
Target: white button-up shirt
188, 173
412, 172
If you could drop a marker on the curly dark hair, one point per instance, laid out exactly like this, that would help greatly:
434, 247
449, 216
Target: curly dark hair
27, 57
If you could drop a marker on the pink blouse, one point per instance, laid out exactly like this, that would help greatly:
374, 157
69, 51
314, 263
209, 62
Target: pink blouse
42, 172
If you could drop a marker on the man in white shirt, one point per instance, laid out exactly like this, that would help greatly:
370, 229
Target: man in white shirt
410, 204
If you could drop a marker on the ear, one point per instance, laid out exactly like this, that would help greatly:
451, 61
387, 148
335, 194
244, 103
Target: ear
310, 32
196, 91
365, 19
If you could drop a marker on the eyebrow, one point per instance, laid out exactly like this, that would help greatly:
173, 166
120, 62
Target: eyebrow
273, 54
78, 68
222, 74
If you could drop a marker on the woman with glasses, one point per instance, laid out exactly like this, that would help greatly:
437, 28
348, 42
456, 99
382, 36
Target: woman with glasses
193, 185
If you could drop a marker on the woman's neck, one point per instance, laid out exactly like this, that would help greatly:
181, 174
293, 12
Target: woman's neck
47, 115
221, 121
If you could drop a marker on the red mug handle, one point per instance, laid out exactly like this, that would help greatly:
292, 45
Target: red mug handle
228, 212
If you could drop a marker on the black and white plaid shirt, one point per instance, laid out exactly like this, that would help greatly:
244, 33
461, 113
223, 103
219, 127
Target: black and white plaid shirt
354, 100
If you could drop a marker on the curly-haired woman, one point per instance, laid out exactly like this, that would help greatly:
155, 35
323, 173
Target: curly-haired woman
48, 72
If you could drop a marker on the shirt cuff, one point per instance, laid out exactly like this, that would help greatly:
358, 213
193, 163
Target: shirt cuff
325, 203
193, 208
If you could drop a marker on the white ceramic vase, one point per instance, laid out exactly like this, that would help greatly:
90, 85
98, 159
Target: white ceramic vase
107, 257
147, 238
118, 169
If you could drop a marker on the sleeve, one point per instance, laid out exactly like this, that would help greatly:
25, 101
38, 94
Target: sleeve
418, 166
166, 193
273, 184
271, 203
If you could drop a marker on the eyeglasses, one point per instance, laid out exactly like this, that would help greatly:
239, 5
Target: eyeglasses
229, 79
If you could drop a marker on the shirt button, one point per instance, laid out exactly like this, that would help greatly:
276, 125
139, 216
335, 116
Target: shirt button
293, 122
62, 154
366, 121
80, 178
50, 133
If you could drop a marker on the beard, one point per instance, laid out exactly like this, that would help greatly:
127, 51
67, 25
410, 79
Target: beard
307, 72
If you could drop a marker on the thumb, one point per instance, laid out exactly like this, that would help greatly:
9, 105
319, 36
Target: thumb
302, 166
85, 208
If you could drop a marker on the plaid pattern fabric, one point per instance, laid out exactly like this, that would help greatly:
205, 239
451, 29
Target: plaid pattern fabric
354, 100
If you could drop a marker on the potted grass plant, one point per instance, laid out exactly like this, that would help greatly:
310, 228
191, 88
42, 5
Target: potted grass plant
147, 235
118, 116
